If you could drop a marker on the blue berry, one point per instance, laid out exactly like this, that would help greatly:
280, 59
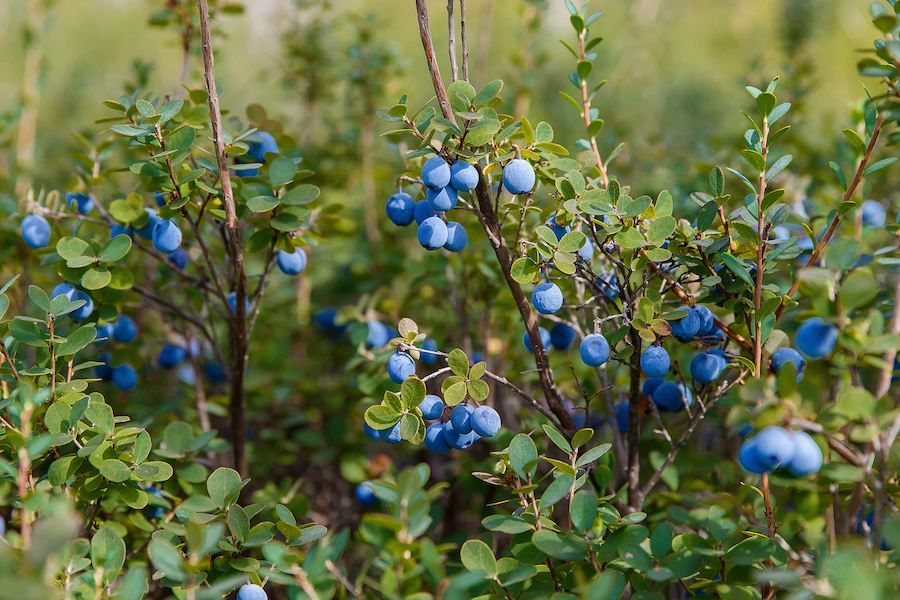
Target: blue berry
400, 209
166, 236
784, 355
370, 432
441, 200
391, 434
146, 231
428, 359
436, 173
562, 336
706, 368
432, 407
655, 361
171, 356
594, 350
379, 334
432, 233
808, 456
672, 397
873, 213
434, 439
547, 298
748, 457
400, 366
179, 257
259, 143
706, 320
422, 211
35, 231
463, 176
545, 339
454, 439
816, 338
518, 176
364, 494
82, 313
291, 263
251, 591
485, 421
124, 377
775, 446
457, 238
461, 418
125, 330
686, 327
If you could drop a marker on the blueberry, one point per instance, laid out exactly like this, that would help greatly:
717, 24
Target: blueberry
400, 366
251, 591
422, 211
594, 350
775, 446
171, 356
432, 233
80, 314
434, 439
125, 330
370, 432
103, 371
749, 458
454, 439
672, 397
545, 339
146, 231
547, 298
179, 257
457, 238
441, 200
706, 320
35, 231
808, 456
518, 176
291, 263
622, 418
232, 303
400, 209
816, 338
166, 236
651, 385
784, 355
428, 359
436, 173
706, 368
463, 176
461, 418
379, 334
655, 361
391, 434
80, 203
562, 336
686, 327
364, 494
124, 377
432, 407
259, 143
873, 214
485, 421
118, 230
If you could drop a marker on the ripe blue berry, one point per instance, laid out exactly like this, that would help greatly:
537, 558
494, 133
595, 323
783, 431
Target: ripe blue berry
291, 263
401, 209
432, 407
370, 432
454, 439
686, 327
232, 303
461, 418
808, 456
706, 368
622, 418
259, 143
82, 313
432, 233
748, 457
35, 231
166, 236
655, 361
775, 446
117, 230
400, 366
179, 257
391, 434
436, 173
379, 334
80, 203
873, 213
651, 385
251, 591
816, 338
463, 176
125, 330
545, 339
457, 238
706, 320
425, 357
594, 350
672, 397
422, 211
171, 356
124, 377
518, 176
364, 494
562, 336
485, 421
784, 355
443, 199
146, 231
547, 298
103, 371
434, 439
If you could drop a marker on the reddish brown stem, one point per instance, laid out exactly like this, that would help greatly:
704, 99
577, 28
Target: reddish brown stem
431, 59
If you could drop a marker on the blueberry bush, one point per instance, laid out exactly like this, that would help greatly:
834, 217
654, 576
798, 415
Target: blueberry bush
569, 383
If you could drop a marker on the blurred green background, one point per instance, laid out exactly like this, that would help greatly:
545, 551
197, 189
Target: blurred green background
676, 70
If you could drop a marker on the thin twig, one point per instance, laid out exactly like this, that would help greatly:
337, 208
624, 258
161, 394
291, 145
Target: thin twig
464, 71
431, 59
451, 29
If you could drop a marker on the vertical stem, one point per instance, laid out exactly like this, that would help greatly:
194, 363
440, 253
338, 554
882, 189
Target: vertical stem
24, 476
760, 256
635, 497
586, 114
464, 70
27, 131
770, 520
884, 381
237, 324
431, 59
451, 29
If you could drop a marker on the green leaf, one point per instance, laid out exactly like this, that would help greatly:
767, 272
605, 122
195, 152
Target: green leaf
707, 215
737, 268
779, 166
77, 341
751, 551
478, 390
131, 130
488, 92
107, 553
381, 417
154, 470
223, 482
879, 165
552, 544
859, 146
282, 170
524, 270
661, 228
839, 173
572, 241
581, 437
142, 446
523, 452
461, 95
412, 392
507, 524
169, 110
477, 556
584, 511
755, 159
742, 178
101, 416
661, 540
558, 439
592, 454
261, 204
167, 560
635, 557
180, 139
458, 362
71, 247
456, 393
115, 470
238, 523
630, 238
96, 278
557, 489
116, 249
302, 194
765, 102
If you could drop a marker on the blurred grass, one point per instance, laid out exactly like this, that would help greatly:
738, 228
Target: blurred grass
676, 71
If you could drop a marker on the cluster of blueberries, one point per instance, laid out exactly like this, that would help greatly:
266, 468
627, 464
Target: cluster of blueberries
777, 447
443, 184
